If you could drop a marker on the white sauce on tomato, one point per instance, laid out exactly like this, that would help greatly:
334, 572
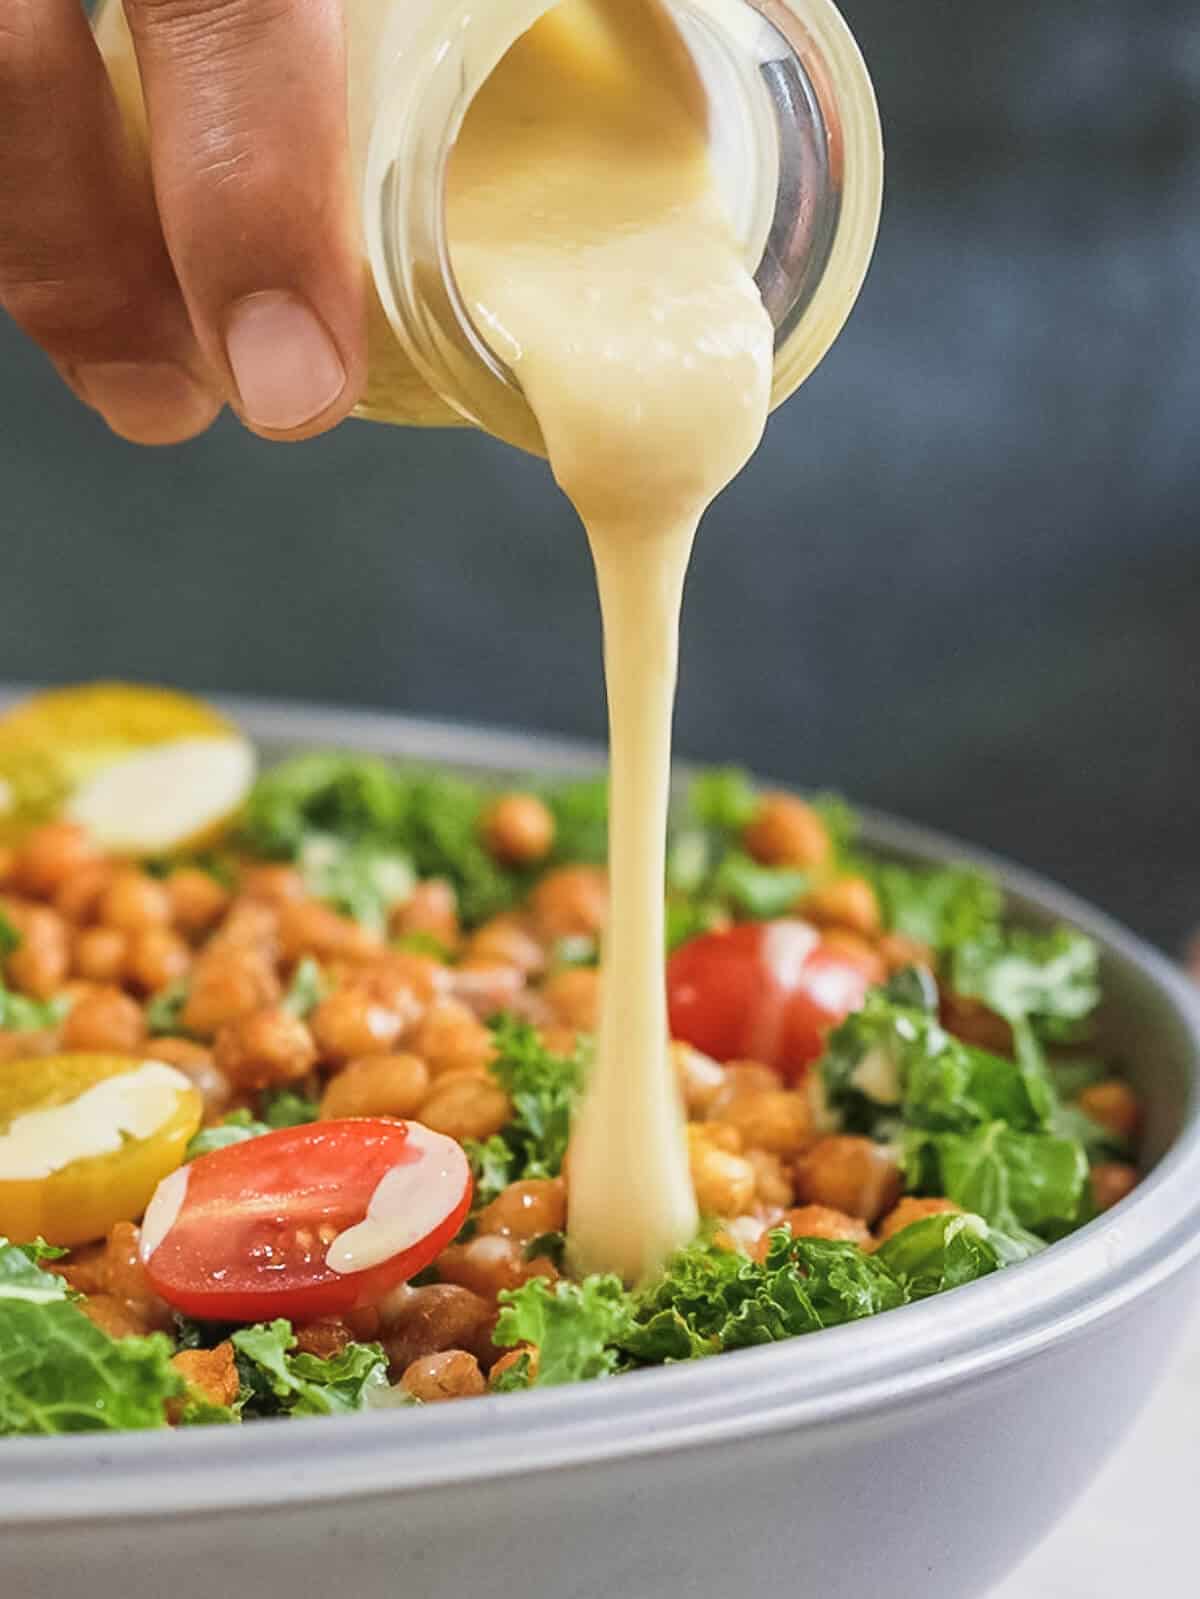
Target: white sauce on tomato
409, 1201
163, 1211
100, 1121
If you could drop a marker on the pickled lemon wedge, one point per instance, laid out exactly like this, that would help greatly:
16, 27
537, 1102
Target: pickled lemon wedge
146, 770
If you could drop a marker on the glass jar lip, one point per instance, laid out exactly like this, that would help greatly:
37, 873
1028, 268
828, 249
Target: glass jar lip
431, 68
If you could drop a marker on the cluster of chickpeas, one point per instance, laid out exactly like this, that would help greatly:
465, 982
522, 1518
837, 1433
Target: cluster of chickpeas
403, 1034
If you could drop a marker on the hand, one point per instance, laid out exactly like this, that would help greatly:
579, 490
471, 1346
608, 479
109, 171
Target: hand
237, 275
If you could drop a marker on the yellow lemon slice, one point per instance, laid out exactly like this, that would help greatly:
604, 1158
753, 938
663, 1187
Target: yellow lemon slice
85, 1140
146, 770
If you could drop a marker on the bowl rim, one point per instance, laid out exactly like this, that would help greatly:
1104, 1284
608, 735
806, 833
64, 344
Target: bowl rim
876, 1365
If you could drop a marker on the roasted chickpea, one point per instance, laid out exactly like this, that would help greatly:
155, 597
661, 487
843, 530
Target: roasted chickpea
157, 958
724, 1182
116, 1317
419, 977
714, 1135
466, 1107
772, 1183
107, 1021
506, 941
510, 1358
431, 909
306, 927
1114, 1105
526, 1209
518, 829
133, 901
912, 1210
856, 949
226, 984
265, 1048
324, 1338
380, 1085
454, 1374
425, 1321
778, 1121
212, 1373
8, 865
197, 900
124, 1274
1112, 1181
100, 954
570, 900
78, 898
850, 1174
489, 1263
40, 963
51, 855
485, 988
273, 885
197, 1064
452, 1038
741, 1078
896, 951
249, 925
974, 1023
784, 831
845, 902
351, 1022
573, 996
819, 1221
699, 1077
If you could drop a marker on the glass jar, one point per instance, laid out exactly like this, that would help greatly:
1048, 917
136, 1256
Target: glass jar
795, 146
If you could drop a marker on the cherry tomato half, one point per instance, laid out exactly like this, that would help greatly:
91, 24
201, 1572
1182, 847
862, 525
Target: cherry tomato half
304, 1222
765, 991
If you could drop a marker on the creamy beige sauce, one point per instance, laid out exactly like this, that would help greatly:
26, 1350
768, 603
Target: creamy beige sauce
588, 241
99, 1122
409, 1201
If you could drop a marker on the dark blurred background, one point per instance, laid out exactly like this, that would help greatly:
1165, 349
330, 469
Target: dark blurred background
959, 581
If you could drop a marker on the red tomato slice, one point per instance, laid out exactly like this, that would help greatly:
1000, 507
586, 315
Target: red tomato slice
304, 1222
766, 991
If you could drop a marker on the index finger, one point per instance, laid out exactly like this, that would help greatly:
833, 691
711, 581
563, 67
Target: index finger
246, 102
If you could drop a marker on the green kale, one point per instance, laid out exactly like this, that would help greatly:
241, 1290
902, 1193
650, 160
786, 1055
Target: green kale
543, 1088
235, 1128
18, 1014
165, 1009
943, 1252
756, 893
580, 811
576, 1327
350, 796
362, 879
306, 989
891, 1061
710, 1299
277, 1382
1019, 1182
937, 906
1048, 980
59, 1372
723, 799
10, 939
284, 1107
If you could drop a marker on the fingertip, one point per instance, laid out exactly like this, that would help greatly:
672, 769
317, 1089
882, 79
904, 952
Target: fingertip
292, 380
146, 402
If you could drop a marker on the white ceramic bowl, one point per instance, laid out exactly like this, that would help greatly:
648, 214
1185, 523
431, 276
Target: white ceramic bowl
918, 1455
